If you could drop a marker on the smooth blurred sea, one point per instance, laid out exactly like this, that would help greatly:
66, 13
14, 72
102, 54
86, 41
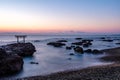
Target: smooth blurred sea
53, 59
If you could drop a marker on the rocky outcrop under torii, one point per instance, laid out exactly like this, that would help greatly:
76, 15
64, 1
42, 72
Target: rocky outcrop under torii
21, 49
9, 63
11, 60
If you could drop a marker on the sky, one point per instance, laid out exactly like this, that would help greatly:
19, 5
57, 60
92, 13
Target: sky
60, 15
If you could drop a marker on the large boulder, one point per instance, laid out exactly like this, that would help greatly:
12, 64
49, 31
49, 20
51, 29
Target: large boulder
9, 64
21, 49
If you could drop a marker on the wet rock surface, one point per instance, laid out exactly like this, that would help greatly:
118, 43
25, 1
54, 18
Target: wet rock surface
84, 43
56, 44
117, 43
34, 62
88, 51
62, 41
11, 60
9, 63
78, 38
95, 51
78, 49
77, 43
21, 49
68, 48
108, 40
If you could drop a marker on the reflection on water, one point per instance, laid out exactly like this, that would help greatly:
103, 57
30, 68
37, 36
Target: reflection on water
53, 59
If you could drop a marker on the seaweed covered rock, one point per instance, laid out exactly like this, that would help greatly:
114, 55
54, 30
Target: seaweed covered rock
21, 49
9, 64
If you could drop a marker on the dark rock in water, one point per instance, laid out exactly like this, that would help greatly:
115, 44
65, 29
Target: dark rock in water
118, 43
78, 38
10, 60
9, 64
34, 63
78, 49
77, 43
21, 49
72, 46
36, 40
68, 48
69, 58
71, 54
87, 41
88, 51
3, 53
85, 45
56, 44
108, 40
62, 41
102, 38
95, 51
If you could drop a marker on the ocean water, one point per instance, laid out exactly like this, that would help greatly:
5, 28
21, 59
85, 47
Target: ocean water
53, 59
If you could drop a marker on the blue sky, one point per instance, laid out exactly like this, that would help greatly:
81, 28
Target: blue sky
73, 14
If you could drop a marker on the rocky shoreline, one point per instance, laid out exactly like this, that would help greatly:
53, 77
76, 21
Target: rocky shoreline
11, 57
103, 72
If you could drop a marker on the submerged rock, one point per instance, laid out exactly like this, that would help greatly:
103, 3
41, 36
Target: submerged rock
77, 43
71, 54
3, 53
56, 44
69, 58
37, 41
78, 38
95, 51
78, 49
34, 63
102, 38
21, 49
87, 40
68, 48
88, 51
109, 40
117, 43
85, 45
9, 64
62, 41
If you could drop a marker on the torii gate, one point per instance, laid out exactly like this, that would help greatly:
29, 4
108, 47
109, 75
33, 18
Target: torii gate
20, 36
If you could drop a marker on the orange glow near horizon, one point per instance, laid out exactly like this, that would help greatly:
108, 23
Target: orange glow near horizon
29, 17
